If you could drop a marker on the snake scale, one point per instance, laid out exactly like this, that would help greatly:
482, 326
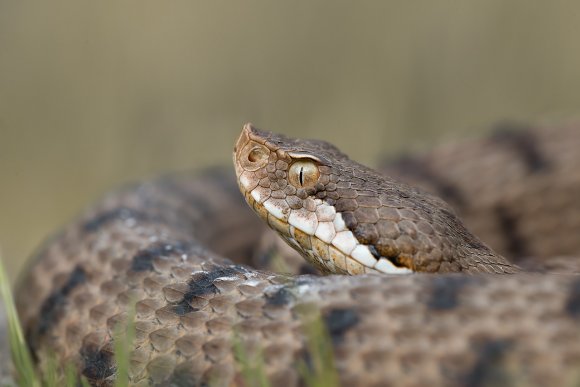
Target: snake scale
181, 246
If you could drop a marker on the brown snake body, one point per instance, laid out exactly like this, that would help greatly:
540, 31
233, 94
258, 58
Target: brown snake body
161, 243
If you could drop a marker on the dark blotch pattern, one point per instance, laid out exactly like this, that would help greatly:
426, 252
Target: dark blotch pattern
573, 302
508, 224
282, 296
339, 321
98, 364
444, 294
182, 308
143, 260
409, 166
490, 367
203, 283
524, 143
53, 307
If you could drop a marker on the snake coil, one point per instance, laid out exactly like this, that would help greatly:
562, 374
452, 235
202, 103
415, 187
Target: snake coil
181, 247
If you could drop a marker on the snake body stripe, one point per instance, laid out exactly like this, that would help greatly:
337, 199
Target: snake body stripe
164, 244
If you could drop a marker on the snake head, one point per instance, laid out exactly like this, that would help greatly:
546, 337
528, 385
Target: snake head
346, 218
299, 187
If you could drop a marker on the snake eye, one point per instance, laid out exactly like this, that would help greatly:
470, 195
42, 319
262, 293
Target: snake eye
303, 174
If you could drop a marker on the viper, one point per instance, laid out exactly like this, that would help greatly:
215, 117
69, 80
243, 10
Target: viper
407, 294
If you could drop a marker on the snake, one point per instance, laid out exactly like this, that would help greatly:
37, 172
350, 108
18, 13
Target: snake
402, 289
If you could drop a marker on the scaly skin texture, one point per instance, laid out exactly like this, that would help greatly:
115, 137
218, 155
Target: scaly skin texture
517, 189
161, 243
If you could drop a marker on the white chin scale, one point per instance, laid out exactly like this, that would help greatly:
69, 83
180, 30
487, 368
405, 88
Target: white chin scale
322, 235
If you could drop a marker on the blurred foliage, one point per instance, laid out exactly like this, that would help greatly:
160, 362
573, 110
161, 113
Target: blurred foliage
93, 93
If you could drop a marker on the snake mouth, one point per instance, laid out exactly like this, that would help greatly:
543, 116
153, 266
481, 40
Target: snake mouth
329, 245
290, 187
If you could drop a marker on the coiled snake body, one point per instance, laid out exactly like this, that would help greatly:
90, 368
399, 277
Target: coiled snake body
482, 320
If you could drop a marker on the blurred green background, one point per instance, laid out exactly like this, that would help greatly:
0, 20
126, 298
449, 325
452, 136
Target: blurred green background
93, 93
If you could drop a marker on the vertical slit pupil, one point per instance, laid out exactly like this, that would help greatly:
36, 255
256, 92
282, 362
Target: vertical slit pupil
301, 178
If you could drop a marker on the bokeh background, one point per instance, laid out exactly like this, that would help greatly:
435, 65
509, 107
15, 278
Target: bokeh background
93, 93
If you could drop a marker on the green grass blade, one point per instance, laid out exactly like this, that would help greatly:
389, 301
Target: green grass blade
251, 363
70, 375
50, 372
85, 382
124, 336
320, 371
24, 367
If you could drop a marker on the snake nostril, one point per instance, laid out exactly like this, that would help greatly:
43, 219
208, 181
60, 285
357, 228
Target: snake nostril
256, 155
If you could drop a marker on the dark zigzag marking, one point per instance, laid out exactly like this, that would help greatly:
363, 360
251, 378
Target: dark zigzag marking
202, 283
54, 306
339, 321
445, 292
143, 259
523, 143
491, 367
410, 166
508, 225
573, 302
